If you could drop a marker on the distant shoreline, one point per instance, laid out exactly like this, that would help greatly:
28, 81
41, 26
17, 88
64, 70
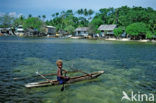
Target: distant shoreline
115, 39
102, 39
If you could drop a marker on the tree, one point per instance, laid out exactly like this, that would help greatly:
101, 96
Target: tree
90, 12
97, 22
122, 17
117, 32
53, 15
80, 11
18, 21
29, 16
83, 22
6, 21
21, 17
70, 29
136, 29
39, 17
34, 23
149, 35
92, 29
43, 16
85, 12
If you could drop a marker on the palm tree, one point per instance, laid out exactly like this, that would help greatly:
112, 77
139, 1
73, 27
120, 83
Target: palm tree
57, 14
53, 15
29, 16
21, 18
90, 13
43, 16
80, 11
39, 16
85, 12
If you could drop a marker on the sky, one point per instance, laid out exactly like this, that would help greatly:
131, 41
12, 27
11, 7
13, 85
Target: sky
48, 7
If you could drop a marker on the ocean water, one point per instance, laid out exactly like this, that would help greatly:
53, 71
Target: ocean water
128, 66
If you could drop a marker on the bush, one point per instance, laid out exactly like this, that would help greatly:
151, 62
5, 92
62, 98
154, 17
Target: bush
136, 29
117, 32
149, 35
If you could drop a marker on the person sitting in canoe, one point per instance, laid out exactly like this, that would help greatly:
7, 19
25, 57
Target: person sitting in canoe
62, 79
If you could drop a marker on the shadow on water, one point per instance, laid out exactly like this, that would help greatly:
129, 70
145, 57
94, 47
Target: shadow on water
128, 67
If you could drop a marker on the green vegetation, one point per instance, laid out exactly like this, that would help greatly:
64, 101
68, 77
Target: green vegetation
33, 22
149, 35
136, 20
6, 21
18, 21
118, 32
136, 29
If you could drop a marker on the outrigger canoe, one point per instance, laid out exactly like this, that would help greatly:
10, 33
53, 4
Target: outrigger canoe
71, 80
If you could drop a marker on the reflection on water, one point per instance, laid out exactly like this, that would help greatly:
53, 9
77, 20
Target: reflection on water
128, 66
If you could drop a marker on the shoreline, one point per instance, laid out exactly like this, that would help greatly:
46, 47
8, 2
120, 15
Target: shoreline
128, 39
124, 40
76, 38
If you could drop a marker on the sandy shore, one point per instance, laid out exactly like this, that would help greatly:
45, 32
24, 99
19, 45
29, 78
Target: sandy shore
128, 39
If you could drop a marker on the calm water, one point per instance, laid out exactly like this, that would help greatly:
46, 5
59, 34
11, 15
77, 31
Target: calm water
128, 66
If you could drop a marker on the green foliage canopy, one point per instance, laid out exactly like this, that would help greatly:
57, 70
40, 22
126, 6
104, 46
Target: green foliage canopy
149, 35
70, 29
136, 28
118, 32
33, 22
6, 21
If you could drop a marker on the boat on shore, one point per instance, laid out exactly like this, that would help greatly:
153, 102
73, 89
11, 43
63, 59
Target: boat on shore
71, 80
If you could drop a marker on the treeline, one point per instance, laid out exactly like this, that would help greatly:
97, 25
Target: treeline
135, 20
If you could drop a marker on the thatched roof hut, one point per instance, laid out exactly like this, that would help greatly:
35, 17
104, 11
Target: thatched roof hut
50, 30
107, 27
81, 29
107, 30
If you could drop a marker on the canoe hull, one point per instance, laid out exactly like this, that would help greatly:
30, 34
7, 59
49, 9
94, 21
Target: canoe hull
72, 80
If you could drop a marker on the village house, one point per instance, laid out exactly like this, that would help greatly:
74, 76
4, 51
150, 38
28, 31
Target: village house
81, 31
5, 31
50, 30
107, 30
62, 32
19, 31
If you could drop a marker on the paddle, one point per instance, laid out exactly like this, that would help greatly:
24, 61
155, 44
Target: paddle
80, 71
62, 89
43, 77
50, 74
85, 73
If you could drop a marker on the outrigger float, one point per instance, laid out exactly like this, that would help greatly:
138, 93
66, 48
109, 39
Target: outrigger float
71, 80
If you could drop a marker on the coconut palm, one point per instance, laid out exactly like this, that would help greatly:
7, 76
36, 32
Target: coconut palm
29, 16
43, 16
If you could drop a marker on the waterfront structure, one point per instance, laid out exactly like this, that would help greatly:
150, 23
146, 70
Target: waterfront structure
33, 32
107, 30
19, 31
63, 32
4, 30
50, 30
81, 31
